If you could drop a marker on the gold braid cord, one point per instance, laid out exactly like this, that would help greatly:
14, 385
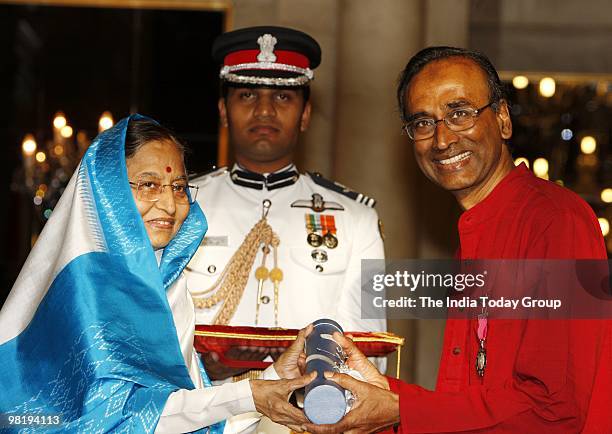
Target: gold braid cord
229, 287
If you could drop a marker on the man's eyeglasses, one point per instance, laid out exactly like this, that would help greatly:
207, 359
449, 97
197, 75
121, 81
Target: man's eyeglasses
456, 120
150, 190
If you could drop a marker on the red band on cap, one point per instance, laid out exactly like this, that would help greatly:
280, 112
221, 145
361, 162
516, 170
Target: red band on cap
282, 56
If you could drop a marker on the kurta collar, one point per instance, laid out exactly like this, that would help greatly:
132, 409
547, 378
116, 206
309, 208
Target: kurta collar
503, 193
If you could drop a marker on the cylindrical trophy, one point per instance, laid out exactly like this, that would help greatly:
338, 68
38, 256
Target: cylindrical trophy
324, 400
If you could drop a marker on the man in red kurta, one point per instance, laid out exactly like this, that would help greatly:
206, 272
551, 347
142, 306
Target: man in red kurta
541, 376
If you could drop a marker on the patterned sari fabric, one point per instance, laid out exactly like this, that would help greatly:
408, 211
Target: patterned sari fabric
86, 332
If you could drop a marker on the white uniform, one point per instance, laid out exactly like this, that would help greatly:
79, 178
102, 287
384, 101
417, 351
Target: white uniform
310, 290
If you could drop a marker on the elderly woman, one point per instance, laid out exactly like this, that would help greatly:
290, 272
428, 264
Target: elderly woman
97, 332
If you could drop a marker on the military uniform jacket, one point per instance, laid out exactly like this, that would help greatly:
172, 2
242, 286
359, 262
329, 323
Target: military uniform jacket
309, 290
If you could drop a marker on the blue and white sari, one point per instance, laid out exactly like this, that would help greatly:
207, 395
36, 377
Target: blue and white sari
87, 333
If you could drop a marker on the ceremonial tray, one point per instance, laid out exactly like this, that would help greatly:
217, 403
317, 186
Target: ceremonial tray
219, 339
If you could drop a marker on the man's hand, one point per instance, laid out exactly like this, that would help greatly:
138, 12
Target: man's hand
271, 398
218, 371
360, 363
374, 409
291, 363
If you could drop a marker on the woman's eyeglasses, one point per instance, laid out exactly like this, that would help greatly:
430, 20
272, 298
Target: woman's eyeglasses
150, 190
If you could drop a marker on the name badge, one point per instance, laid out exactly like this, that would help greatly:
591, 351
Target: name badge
216, 241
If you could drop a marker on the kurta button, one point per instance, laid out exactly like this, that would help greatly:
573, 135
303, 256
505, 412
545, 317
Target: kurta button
319, 268
265, 299
456, 351
212, 269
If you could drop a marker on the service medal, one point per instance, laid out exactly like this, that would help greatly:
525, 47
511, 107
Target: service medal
314, 231
328, 225
330, 240
481, 359
314, 239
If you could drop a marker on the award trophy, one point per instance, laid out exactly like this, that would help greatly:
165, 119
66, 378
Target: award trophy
325, 402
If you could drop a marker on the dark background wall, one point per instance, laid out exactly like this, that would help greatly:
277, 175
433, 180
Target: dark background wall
85, 61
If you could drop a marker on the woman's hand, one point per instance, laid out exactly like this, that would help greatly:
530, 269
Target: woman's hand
292, 363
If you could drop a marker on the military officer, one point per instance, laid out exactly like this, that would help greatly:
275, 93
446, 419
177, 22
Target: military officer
283, 248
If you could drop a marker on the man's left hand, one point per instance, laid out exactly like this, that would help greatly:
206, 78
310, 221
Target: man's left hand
271, 398
375, 408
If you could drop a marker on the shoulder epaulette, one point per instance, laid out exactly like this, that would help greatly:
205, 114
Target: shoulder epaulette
339, 188
211, 173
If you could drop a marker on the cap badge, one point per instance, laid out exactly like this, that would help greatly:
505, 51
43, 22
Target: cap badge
266, 48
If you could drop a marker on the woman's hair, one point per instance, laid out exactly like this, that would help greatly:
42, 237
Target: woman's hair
142, 131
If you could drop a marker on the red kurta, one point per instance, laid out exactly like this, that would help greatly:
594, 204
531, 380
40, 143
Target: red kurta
542, 376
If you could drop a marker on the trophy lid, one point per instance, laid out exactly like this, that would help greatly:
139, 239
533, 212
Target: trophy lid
325, 404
